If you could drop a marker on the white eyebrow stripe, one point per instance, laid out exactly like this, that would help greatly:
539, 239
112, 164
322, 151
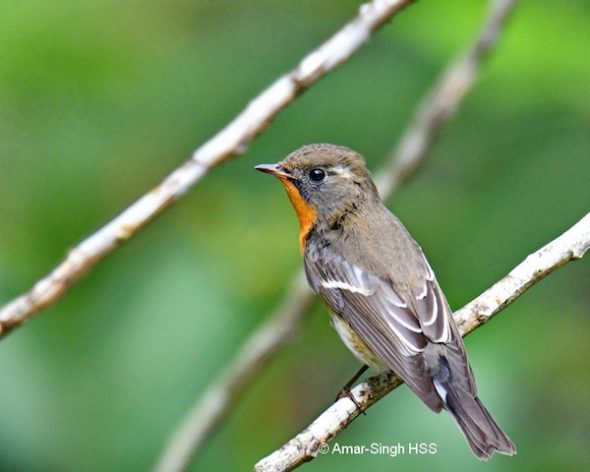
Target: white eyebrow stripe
342, 171
346, 286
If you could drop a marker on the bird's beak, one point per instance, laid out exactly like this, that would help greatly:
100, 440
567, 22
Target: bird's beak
273, 169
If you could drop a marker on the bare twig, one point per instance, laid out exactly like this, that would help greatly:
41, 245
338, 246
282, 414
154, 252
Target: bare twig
436, 110
570, 246
229, 142
215, 403
442, 102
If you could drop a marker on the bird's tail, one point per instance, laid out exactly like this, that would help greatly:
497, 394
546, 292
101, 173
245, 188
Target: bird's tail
479, 428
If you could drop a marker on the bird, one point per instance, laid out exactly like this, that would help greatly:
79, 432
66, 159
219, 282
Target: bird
382, 295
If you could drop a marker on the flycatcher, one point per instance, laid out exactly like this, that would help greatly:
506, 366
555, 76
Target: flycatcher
384, 299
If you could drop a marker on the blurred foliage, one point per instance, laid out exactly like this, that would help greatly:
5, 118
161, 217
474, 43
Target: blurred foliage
99, 100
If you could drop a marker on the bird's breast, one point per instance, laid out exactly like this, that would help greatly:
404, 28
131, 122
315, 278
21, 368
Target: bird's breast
354, 342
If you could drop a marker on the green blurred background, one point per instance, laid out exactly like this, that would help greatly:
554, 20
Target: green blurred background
100, 100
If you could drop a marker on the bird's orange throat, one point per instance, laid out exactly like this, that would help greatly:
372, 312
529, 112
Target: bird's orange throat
307, 214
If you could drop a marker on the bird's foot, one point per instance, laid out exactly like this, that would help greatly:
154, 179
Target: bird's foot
346, 392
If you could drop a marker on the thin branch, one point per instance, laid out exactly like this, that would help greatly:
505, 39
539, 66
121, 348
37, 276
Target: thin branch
436, 110
304, 447
444, 99
215, 403
229, 142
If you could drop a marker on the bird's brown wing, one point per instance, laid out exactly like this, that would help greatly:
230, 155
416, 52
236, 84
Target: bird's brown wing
399, 328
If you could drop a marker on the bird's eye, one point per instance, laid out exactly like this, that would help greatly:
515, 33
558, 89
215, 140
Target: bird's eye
317, 174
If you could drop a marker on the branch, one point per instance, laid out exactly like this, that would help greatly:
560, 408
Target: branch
436, 110
229, 142
444, 99
304, 447
213, 406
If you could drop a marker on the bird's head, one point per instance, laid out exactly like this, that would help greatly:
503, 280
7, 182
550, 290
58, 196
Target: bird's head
323, 182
